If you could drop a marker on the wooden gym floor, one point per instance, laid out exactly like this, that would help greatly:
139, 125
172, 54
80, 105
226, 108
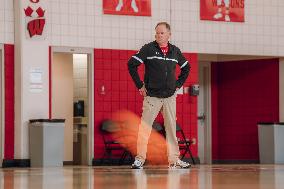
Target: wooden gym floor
156, 177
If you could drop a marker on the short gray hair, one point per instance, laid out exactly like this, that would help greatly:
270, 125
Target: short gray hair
165, 24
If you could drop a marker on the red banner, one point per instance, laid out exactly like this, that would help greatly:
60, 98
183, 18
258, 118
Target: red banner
127, 7
222, 10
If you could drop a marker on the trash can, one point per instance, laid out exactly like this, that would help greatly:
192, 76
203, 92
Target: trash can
46, 142
271, 143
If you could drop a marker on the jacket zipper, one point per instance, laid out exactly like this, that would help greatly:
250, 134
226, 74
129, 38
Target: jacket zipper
166, 66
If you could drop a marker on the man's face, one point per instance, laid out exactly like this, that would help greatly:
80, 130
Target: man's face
162, 35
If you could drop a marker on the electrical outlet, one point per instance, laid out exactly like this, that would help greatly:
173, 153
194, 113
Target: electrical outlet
186, 90
193, 141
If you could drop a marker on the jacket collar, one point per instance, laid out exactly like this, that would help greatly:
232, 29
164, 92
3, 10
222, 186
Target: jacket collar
169, 44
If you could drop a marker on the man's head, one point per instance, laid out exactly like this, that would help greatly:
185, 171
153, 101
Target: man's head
163, 33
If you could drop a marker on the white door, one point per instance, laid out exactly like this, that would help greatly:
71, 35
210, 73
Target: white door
62, 97
1, 106
204, 114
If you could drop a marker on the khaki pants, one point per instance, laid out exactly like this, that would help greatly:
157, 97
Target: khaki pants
151, 108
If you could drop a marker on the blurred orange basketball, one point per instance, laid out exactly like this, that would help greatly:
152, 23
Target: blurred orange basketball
128, 124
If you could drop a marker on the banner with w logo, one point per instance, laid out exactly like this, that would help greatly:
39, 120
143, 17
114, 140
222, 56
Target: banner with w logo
35, 20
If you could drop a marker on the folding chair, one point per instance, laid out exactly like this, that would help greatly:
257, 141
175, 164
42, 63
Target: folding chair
108, 128
184, 143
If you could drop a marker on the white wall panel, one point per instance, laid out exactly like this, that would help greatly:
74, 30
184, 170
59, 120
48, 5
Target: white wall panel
6, 21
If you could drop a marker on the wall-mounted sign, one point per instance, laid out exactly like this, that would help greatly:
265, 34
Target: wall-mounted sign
35, 19
222, 10
127, 7
36, 80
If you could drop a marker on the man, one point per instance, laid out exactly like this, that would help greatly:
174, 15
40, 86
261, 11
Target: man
219, 14
159, 90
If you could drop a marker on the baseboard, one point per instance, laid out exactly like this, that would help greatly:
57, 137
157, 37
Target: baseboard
95, 162
16, 163
24, 163
106, 162
235, 161
68, 163
129, 161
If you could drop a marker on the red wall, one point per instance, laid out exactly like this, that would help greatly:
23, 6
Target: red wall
120, 93
243, 93
9, 101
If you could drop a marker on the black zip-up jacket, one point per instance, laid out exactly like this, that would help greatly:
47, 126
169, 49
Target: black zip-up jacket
159, 77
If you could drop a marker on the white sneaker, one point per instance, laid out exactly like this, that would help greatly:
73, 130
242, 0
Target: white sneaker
218, 15
227, 18
137, 164
179, 165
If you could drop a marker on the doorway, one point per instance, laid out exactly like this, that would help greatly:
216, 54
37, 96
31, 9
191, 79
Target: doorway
204, 113
72, 99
